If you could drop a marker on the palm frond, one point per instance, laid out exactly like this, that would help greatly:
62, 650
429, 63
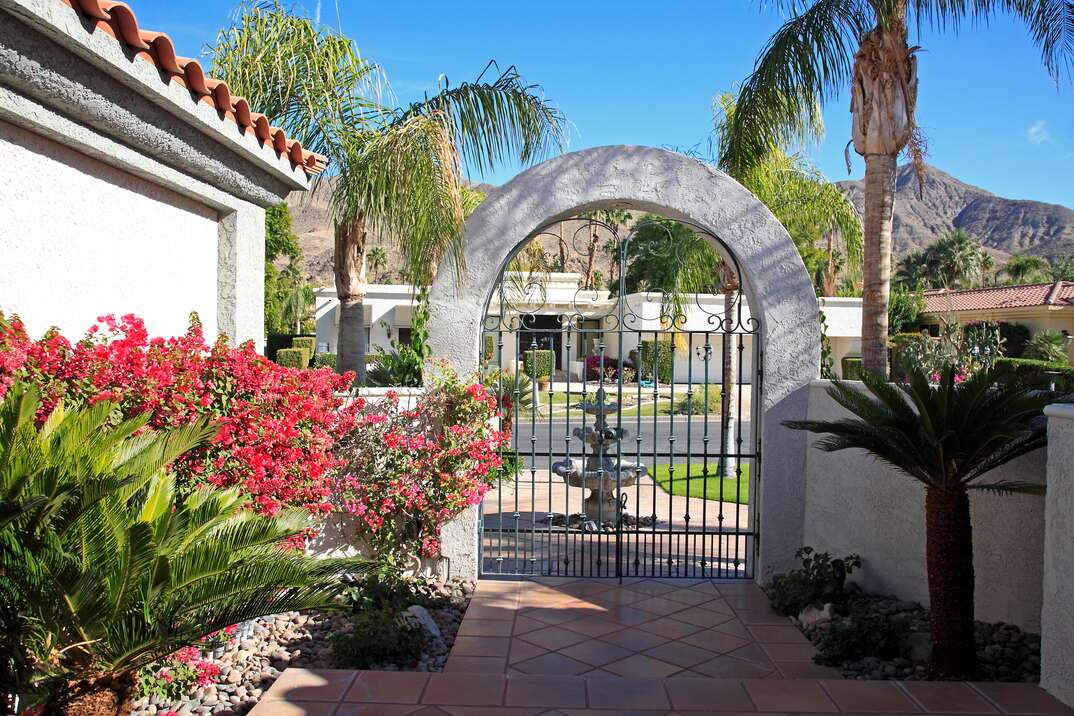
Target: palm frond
807, 62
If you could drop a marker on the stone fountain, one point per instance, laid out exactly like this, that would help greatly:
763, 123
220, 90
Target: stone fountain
602, 473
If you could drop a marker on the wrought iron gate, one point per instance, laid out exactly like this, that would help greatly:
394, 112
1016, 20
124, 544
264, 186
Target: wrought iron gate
635, 448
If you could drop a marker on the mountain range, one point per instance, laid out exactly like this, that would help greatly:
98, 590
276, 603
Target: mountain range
1004, 226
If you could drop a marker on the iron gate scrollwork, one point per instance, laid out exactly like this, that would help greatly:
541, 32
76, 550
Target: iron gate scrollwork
634, 447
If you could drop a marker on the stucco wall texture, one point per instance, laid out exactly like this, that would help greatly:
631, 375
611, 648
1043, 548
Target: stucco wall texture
79, 239
1057, 613
855, 504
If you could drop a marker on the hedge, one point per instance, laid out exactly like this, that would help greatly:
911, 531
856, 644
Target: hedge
488, 347
660, 354
325, 360
851, 367
1033, 371
292, 358
538, 363
307, 344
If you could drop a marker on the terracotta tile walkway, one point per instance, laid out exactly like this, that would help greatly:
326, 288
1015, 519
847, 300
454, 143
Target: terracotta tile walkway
561, 647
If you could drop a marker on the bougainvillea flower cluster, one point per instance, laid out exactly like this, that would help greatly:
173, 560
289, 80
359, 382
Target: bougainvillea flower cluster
406, 471
275, 426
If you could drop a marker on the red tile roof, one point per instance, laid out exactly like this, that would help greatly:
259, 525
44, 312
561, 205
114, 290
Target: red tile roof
117, 19
1060, 293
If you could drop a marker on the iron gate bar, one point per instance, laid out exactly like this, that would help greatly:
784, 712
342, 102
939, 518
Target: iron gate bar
723, 548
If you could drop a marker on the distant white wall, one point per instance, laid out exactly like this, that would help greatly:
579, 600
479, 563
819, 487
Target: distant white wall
855, 504
79, 239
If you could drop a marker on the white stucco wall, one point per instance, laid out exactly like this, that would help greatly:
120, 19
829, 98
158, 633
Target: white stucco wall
1057, 613
855, 504
79, 239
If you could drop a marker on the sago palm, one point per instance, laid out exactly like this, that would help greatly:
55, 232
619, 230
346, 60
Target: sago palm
397, 170
827, 47
947, 437
104, 569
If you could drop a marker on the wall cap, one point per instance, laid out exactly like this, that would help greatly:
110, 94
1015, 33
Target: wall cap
1060, 410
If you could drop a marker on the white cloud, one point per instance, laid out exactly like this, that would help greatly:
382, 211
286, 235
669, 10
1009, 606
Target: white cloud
1038, 132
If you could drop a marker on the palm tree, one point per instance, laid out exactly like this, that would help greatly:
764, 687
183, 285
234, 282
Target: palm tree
827, 46
955, 261
378, 259
104, 568
947, 437
1049, 345
397, 170
1021, 269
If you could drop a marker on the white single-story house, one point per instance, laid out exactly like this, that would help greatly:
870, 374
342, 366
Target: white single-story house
136, 184
388, 311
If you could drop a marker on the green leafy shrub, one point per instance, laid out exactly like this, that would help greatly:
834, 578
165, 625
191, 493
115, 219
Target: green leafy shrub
851, 367
1050, 346
538, 364
1036, 372
658, 354
488, 347
697, 404
378, 637
862, 633
399, 368
292, 358
820, 581
325, 360
1015, 336
306, 344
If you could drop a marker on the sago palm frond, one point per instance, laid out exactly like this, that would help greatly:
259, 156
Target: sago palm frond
947, 435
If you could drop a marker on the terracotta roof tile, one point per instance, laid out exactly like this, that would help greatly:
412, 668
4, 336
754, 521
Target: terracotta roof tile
1060, 293
118, 20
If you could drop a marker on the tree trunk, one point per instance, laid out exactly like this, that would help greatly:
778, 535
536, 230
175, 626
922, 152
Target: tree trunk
876, 263
883, 97
562, 249
949, 559
349, 266
729, 379
590, 259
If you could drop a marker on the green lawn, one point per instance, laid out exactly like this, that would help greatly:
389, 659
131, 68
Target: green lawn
734, 489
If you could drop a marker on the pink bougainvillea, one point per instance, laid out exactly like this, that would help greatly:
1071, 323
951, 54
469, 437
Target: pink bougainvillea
275, 426
407, 471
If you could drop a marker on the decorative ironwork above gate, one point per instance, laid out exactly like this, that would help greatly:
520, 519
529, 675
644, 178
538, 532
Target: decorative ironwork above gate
634, 447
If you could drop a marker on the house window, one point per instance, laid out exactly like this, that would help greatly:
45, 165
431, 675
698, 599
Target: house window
404, 335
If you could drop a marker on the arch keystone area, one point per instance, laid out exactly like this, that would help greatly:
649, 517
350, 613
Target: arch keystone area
774, 280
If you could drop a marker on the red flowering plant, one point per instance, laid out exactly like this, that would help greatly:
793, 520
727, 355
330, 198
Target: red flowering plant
173, 678
275, 425
406, 471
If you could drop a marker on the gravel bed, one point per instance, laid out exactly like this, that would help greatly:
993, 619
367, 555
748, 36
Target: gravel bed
1004, 651
250, 665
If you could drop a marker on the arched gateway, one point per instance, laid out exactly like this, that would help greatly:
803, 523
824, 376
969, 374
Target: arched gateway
578, 501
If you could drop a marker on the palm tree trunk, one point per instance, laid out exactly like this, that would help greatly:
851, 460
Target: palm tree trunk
876, 263
949, 559
349, 265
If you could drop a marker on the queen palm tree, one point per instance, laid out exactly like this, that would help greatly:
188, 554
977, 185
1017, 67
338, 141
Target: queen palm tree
397, 170
828, 46
947, 437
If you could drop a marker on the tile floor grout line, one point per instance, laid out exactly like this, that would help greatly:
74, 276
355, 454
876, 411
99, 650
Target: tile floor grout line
899, 685
983, 695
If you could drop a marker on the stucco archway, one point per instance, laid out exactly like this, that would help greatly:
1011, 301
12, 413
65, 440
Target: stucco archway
676, 186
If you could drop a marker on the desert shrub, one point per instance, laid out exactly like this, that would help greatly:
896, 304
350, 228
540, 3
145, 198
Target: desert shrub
274, 426
306, 344
1049, 346
377, 637
292, 358
325, 360
863, 632
905, 347
405, 473
1015, 336
538, 363
820, 581
698, 403
658, 355
851, 367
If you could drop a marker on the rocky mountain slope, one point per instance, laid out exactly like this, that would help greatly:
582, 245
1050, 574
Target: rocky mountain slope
1004, 226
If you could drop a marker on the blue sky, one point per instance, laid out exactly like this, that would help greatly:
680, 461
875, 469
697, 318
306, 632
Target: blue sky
644, 73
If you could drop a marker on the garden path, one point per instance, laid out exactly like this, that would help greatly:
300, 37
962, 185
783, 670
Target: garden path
563, 647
